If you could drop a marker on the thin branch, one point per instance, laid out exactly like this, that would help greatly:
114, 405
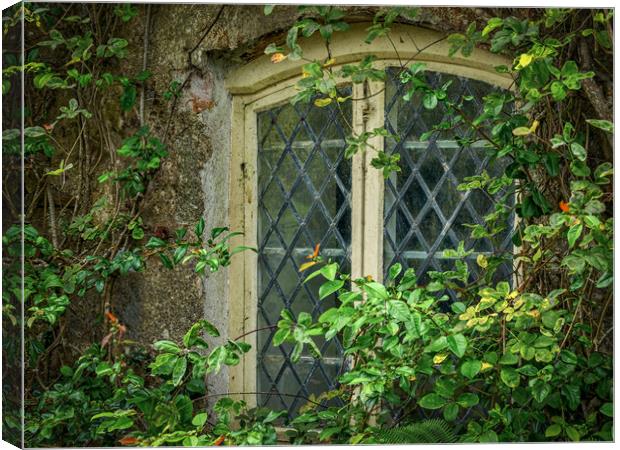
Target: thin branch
145, 60
269, 327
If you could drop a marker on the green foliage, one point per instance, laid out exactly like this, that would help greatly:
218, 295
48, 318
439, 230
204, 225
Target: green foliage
427, 432
147, 152
532, 356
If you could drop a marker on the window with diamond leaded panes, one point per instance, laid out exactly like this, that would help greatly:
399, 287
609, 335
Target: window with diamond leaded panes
304, 199
292, 189
424, 213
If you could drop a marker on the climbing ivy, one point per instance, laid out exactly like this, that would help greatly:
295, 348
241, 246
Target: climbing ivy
525, 360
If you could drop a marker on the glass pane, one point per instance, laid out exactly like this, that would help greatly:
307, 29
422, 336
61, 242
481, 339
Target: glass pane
304, 199
424, 213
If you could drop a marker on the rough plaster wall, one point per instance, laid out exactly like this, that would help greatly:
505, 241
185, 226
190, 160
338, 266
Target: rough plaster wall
214, 177
193, 182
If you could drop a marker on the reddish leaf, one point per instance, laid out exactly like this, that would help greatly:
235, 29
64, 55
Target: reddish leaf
128, 440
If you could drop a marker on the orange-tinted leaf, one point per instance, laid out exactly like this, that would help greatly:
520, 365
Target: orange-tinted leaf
219, 440
564, 206
111, 317
307, 265
317, 247
277, 57
128, 440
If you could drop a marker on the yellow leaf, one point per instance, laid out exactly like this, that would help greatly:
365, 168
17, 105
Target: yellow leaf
518, 304
482, 261
322, 102
471, 322
61, 170
524, 60
329, 62
439, 358
486, 366
307, 265
534, 126
513, 294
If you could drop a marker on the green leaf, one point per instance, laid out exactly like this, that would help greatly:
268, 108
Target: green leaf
155, 242
540, 390
458, 344
399, 310
121, 423
329, 288
553, 430
329, 271
579, 168
376, 290
573, 234
179, 370
602, 124
558, 91
167, 346
103, 368
521, 131
607, 409
578, 151
437, 344
510, 377
572, 433
137, 233
429, 100
199, 420
166, 261
492, 24
508, 359
471, 368
280, 336
432, 401
200, 227
468, 399
458, 307
395, 271
450, 412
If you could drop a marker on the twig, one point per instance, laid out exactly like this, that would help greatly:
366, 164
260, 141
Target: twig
52, 215
206, 33
269, 327
144, 60
192, 67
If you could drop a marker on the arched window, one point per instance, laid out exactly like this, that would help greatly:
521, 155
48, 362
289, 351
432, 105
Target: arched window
293, 188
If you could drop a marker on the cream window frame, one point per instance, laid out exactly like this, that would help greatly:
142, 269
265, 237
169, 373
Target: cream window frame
261, 85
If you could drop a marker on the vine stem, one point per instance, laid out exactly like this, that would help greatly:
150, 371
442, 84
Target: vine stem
145, 59
600, 322
268, 327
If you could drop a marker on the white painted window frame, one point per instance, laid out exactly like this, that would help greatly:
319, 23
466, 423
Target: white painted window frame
261, 85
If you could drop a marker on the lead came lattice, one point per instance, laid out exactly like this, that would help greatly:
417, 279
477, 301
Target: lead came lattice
304, 199
424, 213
